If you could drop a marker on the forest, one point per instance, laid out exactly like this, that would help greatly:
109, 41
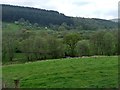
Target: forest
29, 42
53, 19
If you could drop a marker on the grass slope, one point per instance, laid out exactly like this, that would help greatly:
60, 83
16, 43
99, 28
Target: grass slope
90, 72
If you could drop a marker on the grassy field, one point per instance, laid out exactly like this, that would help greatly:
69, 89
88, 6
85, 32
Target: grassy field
99, 72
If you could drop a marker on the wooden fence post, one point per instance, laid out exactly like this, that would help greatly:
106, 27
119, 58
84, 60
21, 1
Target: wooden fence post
16, 83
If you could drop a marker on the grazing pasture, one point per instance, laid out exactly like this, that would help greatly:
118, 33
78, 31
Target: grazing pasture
87, 72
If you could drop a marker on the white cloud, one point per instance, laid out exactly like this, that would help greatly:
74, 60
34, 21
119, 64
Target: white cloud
106, 9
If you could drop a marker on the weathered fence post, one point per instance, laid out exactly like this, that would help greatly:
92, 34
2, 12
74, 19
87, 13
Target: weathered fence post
16, 83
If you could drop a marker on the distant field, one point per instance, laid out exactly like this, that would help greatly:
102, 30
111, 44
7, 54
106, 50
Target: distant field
99, 72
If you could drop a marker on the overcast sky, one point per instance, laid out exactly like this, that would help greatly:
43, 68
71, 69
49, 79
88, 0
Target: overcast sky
105, 9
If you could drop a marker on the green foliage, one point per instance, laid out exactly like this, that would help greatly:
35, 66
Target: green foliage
40, 16
53, 19
8, 46
109, 43
83, 48
26, 46
103, 43
63, 27
97, 43
40, 48
93, 24
71, 40
55, 47
43, 44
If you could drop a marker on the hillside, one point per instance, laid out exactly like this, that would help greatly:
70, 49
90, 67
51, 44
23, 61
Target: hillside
114, 20
53, 18
46, 49
34, 15
99, 72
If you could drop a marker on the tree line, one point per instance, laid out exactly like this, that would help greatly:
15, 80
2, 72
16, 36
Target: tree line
44, 45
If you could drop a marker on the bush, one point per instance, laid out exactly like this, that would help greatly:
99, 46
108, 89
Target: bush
82, 48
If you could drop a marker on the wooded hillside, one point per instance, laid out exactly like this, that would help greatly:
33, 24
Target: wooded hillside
49, 18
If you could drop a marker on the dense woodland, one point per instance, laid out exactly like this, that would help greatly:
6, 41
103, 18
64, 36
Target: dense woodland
53, 19
29, 45
34, 34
